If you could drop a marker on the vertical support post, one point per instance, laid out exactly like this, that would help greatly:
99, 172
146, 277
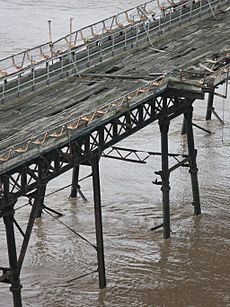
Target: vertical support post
33, 214
98, 221
8, 218
192, 161
164, 127
40, 194
210, 105
183, 128
12, 253
40, 198
128, 120
75, 178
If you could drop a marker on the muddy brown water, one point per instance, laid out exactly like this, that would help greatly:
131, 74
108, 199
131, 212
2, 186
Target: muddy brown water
190, 269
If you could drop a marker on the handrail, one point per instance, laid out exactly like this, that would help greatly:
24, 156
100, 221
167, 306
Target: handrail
72, 124
80, 121
122, 19
104, 46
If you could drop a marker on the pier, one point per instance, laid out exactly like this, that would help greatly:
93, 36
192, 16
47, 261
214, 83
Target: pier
70, 102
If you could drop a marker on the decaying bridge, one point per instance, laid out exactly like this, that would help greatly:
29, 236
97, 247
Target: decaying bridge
64, 103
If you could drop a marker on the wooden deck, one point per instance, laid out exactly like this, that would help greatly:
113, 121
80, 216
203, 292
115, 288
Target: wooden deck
66, 116
34, 123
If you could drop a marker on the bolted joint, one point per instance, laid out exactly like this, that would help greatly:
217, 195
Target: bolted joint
157, 182
164, 175
193, 170
16, 288
7, 205
165, 188
9, 211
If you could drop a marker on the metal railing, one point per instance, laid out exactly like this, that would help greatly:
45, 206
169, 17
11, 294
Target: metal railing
100, 46
81, 121
22, 60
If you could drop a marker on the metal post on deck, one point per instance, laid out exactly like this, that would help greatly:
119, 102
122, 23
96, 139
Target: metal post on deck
192, 161
210, 105
98, 220
75, 178
164, 127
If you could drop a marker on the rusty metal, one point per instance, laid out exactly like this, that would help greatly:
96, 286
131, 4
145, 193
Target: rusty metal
29, 179
98, 220
133, 155
16, 69
192, 161
210, 105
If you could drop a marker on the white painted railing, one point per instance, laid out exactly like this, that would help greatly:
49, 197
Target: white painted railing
100, 46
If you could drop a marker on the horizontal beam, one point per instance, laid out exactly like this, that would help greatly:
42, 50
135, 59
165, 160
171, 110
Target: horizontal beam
131, 77
133, 155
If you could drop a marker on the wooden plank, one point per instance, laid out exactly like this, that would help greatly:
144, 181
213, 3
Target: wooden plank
66, 99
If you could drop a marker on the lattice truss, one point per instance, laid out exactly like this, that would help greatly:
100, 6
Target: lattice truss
30, 179
26, 178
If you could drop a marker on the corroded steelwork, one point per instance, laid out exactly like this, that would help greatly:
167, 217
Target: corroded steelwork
28, 166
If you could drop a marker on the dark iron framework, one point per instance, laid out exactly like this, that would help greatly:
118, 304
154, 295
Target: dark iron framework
31, 178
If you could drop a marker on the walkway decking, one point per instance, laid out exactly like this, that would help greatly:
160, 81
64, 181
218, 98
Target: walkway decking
28, 119
72, 105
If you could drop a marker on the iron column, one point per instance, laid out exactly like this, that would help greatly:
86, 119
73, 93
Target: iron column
164, 127
192, 161
210, 105
75, 177
8, 217
40, 198
98, 220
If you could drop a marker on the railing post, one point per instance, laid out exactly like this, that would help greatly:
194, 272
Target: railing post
113, 42
190, 10
88, 56
19, 83
170, 20
48, 72
137, 36
200, 8
62, 66
33, 78
101, 50
3, 89
159, 30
